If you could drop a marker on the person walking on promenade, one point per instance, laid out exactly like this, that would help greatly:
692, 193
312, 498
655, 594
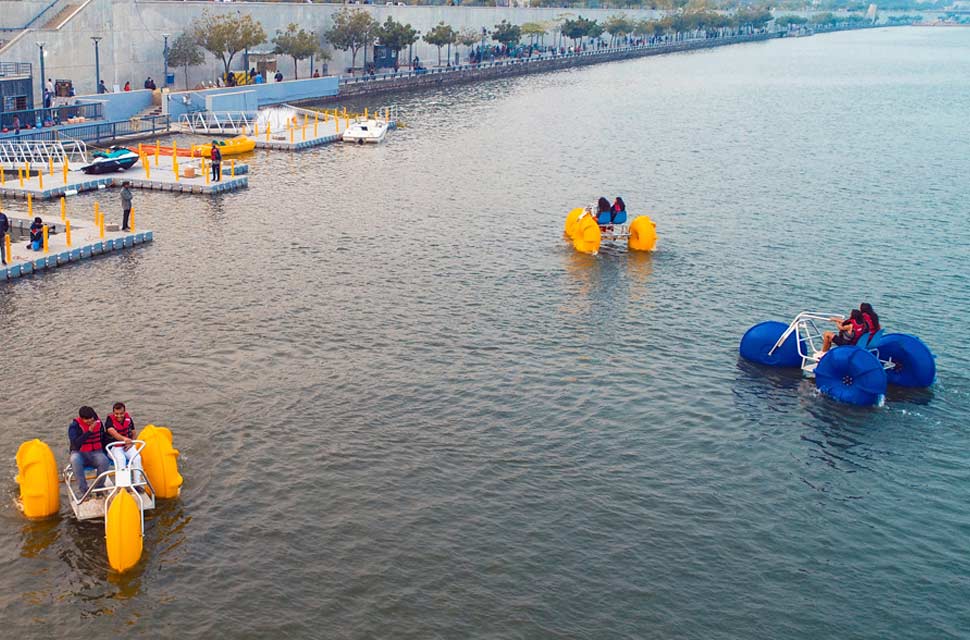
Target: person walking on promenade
102, 88
4, 227
216, 157
86, 448
125, 205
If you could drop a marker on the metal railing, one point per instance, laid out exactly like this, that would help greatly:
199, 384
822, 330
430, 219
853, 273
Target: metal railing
50, 116
674, 42
15, 69
217, 121
100, 132
14, 153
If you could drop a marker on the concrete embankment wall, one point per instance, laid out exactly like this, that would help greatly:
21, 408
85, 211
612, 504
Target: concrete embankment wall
474, 74
132, 42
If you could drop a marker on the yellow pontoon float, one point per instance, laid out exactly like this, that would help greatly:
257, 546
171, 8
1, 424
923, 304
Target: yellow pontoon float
587, 233
120, 496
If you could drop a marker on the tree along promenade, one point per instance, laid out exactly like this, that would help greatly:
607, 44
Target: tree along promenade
366, 85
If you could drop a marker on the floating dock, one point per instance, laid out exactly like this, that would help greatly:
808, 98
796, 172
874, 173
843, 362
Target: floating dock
160, 176
86, 242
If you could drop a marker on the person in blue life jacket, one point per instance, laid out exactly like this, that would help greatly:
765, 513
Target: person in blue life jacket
36, 234
618, 211
85, 434
119, 427
603, 214
850, 330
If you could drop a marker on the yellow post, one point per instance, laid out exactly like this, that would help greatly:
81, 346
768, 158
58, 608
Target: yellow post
3, 179
67, 232
316, 121
50, 163
65, 172
40, 179
158, 149
46, 246
268, 127
30, 205
232, 168
6, 242
63, 208
27, 169
206, 172
20, 176
365, 113
175, 150
291, 133
131, 221
175, 167
141, 152
101, 227
256, 129
97, 212
387, 115
304, 131
306, 118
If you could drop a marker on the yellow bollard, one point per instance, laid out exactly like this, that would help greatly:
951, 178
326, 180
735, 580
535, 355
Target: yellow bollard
63, 208
20, 176
175, 167
6, 242
3, 179
67, 232
206, 172
50, 162
365, 113
268, 127
131, 221
315, 123
291, 133
40, 179
141, 153
304, 132
27, 169
256, 129
101, 227
46, 246
65, 173
305, 119
30, 205
97, 213
175, 150
232, 168
158, 149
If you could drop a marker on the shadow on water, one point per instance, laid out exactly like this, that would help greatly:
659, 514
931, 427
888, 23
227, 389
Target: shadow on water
37, 536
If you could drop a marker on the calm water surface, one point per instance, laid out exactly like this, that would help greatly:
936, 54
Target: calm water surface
407, 409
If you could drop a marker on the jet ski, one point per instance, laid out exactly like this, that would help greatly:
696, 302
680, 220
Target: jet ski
114, 159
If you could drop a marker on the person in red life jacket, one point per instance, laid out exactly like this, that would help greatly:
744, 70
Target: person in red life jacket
870, 318
849, 331
120, 427
216, 157
86, 449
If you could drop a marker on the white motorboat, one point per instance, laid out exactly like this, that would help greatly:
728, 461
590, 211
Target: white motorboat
361, 131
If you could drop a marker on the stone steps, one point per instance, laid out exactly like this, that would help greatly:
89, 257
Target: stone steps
60, 17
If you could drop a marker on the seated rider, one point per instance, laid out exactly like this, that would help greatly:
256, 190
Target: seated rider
618, 211
86, 449
870, 318
850, 331
603, 213
120, 427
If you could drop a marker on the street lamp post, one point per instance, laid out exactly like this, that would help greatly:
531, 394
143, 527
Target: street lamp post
40, 45
165, 55
481, 57
97, 64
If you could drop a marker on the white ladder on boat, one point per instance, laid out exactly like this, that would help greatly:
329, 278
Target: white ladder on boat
224, 122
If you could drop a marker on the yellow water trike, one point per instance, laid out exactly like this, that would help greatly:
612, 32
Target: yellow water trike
587, 232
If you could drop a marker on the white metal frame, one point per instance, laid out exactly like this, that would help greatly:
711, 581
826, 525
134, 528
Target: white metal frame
809, 337
14, 154
122, 479
223, 122
611, 232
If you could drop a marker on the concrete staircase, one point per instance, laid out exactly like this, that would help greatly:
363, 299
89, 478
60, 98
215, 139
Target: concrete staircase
61, 17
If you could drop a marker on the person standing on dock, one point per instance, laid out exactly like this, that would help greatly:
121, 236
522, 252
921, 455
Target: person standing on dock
216, 157
4, 227
125, 205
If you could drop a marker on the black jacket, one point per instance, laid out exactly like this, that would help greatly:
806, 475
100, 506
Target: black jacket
4, 224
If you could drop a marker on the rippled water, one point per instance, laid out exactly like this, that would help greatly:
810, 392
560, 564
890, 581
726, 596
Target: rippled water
406, 408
